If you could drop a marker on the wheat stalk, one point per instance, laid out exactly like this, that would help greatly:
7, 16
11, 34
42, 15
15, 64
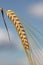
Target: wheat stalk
21, 33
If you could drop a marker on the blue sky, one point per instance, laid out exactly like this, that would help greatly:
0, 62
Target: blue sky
29, 12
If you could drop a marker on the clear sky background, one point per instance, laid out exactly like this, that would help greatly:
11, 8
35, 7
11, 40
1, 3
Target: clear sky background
29, 12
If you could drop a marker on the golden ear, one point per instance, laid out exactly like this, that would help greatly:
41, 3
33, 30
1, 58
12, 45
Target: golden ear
19, 28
